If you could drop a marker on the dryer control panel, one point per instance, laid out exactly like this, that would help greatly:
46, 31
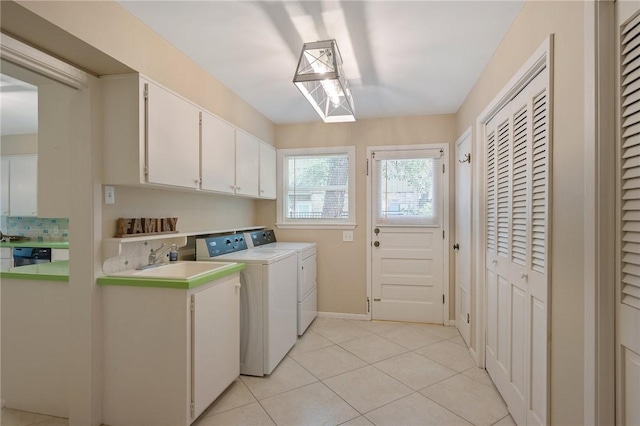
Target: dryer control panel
259, 238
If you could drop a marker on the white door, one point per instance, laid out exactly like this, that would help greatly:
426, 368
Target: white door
218, 157
628, 290
173, 139
407, 217
267, 171
23, 185
247, 164
517, 196
462, 246
215, 322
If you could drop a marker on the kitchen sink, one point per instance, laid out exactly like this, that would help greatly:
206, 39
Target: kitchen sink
177, 270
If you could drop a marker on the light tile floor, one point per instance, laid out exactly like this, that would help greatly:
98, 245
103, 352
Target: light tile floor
366, 373
355, 373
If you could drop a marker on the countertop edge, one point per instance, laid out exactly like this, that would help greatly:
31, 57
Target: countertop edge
44, 244
170, 283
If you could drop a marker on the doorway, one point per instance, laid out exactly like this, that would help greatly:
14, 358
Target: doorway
462, 245
408, 232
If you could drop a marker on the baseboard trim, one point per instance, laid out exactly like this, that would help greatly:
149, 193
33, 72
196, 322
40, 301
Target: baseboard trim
451, 323
340, 315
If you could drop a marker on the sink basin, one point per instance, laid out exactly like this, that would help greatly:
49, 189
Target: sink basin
178, 270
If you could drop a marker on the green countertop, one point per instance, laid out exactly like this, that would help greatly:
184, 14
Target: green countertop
52, 244
54, 271
184, 284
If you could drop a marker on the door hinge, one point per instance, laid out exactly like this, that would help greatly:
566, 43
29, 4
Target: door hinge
146, 91
368, 305
443, 299
367, 167
468, 319
200, 118
192, 408
443, 168
146, 170
443, 235
192, 306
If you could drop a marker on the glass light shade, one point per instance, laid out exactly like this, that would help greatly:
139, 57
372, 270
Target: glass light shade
320, 78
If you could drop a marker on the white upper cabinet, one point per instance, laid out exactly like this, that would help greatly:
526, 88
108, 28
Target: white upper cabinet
267, 171
150, 134
20, 185
173, 139
218, 155
247, 164
155, 137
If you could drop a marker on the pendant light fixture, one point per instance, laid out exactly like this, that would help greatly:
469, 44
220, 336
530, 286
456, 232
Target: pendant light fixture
320, 78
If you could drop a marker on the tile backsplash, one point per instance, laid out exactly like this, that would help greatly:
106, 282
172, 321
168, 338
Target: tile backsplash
36, 228
136, 254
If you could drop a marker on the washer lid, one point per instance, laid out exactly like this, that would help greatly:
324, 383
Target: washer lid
297, 246
263, 256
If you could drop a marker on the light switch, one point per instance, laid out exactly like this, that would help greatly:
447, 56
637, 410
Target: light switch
347, 236
109, 195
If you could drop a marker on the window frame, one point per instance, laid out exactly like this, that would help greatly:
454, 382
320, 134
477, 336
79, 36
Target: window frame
347, 223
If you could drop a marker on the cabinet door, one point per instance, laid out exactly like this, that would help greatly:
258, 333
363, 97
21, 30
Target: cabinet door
218, 155
23, 185
267, 171
59, 254
216, 342
173, 139
4, 189
247, 164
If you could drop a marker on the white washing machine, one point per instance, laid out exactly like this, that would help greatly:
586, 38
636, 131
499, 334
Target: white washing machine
307, 292
268, 315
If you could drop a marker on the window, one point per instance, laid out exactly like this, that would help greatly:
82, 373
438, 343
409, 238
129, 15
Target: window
316, 187
407, 184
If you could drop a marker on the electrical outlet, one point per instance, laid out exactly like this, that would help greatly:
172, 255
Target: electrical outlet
109, 195
347, 236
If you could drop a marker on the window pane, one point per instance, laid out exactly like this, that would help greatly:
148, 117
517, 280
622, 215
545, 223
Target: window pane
317, 187
407, 191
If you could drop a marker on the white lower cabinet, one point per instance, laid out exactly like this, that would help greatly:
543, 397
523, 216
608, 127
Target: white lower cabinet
168, 353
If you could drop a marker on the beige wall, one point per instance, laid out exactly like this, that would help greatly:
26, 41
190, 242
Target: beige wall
196, 212
19, 144
110, 28
114, 33
342, 265
565, 20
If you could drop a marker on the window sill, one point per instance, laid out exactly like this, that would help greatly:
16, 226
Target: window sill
316, 225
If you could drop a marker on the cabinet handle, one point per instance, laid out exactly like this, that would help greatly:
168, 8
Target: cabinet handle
232, 186
238, 188
238, 285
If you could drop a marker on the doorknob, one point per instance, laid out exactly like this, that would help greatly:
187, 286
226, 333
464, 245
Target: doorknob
377, 243
456, 246
377, 231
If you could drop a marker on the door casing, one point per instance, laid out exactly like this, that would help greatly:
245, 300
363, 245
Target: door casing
445, 221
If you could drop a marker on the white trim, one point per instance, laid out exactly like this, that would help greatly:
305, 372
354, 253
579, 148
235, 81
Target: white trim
450, 323
316, 225
541, 59
600, 211
28, 57
348, 223
445, 220
340, 315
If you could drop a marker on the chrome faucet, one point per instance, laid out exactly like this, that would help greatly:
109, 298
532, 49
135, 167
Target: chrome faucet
154, 256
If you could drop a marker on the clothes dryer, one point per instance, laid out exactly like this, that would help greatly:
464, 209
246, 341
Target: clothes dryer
307, 287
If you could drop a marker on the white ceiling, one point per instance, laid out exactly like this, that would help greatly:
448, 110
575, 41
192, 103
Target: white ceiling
400, 57
18, 107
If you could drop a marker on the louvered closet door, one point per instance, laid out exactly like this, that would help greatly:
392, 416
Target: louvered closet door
517, 168
628, 304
